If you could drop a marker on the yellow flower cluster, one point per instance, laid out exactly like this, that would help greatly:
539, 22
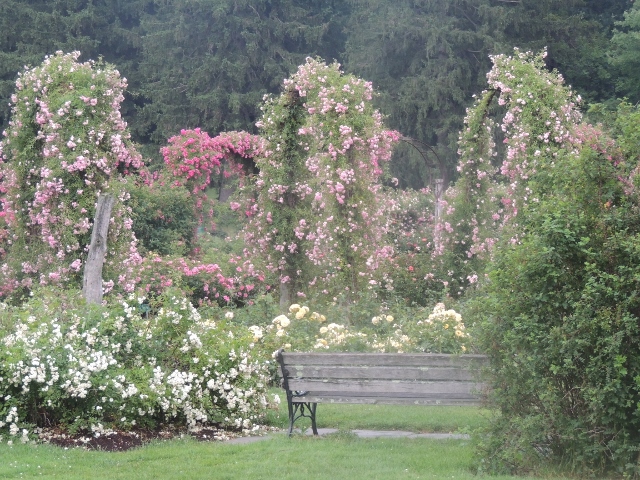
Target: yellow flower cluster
301, 312
442, 331
319, 318
448, 318
281, 322
381, 318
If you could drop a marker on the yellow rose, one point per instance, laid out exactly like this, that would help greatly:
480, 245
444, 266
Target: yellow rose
294, 308
279, 319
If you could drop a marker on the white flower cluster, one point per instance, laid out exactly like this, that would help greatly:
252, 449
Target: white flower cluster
449, 319
116, 365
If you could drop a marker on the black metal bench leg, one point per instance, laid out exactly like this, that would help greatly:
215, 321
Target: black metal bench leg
312, 411
298, 410
291, 414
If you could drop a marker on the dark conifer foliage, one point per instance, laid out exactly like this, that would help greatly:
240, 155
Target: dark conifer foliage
32, 29
208, 63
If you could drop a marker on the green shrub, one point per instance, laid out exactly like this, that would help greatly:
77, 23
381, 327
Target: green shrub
560, 323
163, 218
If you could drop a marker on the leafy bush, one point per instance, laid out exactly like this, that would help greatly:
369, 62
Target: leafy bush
93, 368
560, 322
163, 218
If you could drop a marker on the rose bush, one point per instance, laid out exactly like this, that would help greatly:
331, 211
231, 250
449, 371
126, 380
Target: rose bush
412, 330
94, 368
315, 214
66, 144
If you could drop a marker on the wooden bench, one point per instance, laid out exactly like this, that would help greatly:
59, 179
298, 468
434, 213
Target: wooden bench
371, 378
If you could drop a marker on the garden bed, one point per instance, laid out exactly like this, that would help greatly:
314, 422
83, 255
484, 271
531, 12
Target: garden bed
121, 440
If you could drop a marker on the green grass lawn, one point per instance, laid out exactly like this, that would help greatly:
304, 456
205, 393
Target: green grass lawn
417, 419
338, 456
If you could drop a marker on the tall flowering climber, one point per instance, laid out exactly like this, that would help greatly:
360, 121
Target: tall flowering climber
317, 216
193, 157
539, 123
66, 144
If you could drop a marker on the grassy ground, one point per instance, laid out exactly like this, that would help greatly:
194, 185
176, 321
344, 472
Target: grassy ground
417, 419
338, 456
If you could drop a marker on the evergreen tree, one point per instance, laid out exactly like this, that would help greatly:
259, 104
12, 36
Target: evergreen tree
209, 63
426, 58
97, 28
625, 49
575, 34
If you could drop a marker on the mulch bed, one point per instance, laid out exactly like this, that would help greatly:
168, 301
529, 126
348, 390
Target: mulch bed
119, 441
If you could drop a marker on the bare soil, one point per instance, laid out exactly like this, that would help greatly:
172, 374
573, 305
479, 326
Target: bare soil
118, 441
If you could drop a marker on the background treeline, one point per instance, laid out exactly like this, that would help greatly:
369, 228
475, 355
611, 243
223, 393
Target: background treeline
208, 63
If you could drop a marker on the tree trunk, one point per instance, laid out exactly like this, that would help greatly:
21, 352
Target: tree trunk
92, 282
285, 296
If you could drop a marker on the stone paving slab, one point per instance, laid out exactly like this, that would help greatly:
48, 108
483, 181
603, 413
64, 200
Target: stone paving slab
393, 434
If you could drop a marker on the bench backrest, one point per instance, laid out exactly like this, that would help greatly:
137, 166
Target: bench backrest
390, 378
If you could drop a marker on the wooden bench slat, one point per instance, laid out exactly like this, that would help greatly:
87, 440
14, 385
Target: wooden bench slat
380, 386
380, 373
385, 359
447, 401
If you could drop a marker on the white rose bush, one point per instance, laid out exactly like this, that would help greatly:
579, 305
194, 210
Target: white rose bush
97, 368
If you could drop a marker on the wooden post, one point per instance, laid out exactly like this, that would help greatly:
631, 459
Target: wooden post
92, 282
438, 212
285, 296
